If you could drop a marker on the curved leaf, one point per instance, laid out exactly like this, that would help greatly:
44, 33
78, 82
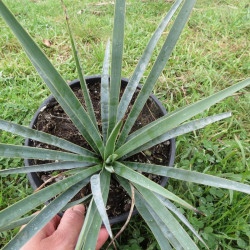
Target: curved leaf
172, 121
92, 223
15, 151
85, 91
177, 212
23, 206
180, 130
143, 181
43, 137
116, 62
105, 93
168, 219
142, 64
192, 176
158, 66
46, 167
42, 218
97, 195
51, 73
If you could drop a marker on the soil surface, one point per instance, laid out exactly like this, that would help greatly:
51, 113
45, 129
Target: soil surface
54, 120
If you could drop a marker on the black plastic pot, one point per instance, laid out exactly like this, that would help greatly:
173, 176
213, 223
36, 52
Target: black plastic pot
36, 182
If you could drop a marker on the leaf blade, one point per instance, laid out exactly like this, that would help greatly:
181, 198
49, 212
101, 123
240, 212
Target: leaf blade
16, 151
141, 180
42, 218
116, 62
90, 230
43, 137
46, 167
191, 176
171, 121
51, 73
158, 66
175, 228
142, 64
97, 195
105, 93
154, 225
110, 146
84, 87
25, 205
180, 130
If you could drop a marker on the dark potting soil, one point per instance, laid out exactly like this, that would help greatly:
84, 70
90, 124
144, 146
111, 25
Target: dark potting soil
53, 120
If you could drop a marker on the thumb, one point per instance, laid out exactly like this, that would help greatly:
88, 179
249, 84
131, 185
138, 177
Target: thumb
70, 225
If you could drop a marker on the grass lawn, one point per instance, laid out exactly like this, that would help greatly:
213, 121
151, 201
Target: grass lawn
211, 54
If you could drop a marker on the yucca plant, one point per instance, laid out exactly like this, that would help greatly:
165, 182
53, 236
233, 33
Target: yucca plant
112, 145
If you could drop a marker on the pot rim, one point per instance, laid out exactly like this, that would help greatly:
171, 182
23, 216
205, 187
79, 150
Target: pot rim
36, 182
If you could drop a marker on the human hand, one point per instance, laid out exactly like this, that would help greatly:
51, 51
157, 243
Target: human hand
62, 233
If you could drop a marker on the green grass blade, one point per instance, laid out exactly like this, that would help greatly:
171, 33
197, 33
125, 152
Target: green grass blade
25, 152
168, 219
158, 66
105, 93
97, 195
27, 219
116, 62
92, 223
191, 176
142, 64
181, 130
36, 224
65, 107
43, 137
51, 73
178, 213
110, 146
177, 118
46, 167
25, 205
141, 180
156, 226
84, 87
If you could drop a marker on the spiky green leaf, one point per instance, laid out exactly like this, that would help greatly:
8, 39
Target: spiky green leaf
171, 121
168, 219
191, 176
157, 227
43, 137
116, 62
42, 218
159, 64
143, 181
110, 146
180, 130
105, 93
97, 195
84, 87
46, 167
142, 64
25, 205
51, 73
15, 151
92, 223
178, 213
